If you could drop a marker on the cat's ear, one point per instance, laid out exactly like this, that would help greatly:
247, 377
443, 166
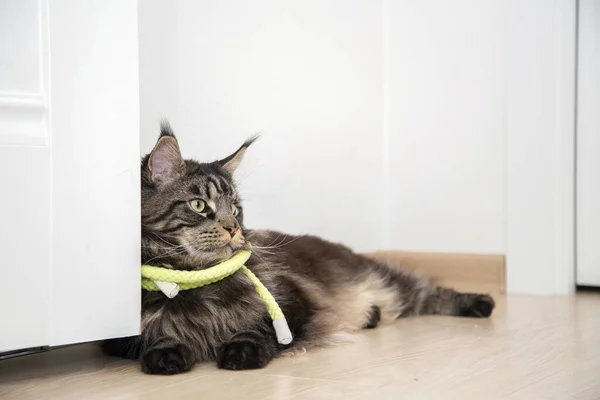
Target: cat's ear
165, 163
231, 162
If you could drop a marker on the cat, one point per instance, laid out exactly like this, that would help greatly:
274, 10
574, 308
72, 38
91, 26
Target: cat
193, 218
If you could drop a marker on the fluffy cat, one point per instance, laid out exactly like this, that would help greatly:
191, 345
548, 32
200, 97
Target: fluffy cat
193, 218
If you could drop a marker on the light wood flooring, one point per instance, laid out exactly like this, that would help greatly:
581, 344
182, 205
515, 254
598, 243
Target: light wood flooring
531, 348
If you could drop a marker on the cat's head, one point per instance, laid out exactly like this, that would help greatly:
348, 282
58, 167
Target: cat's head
192, 214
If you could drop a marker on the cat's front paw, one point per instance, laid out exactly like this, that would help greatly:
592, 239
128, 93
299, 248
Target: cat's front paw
165, 360
240, 354
129, 347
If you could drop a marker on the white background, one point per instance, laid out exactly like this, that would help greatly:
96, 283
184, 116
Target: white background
588, 146
308, 76
446, 75
429, 125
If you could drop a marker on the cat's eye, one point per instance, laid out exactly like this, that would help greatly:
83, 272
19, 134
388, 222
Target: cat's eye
198, 205
234, 210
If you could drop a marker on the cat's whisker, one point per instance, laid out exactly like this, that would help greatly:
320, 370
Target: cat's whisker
167, 242
180, 250
259, 256
325, 290
264, 251
157, 245
275, 240
282, 242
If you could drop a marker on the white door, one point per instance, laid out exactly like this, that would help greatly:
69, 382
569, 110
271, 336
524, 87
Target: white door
69, 172
588, 145
25, 175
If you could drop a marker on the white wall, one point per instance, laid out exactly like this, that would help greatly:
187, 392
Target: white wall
398, 124
308, 76
481, 133
158, 44
446, 132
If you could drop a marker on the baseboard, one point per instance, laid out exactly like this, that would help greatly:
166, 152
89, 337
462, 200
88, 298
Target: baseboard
466, 272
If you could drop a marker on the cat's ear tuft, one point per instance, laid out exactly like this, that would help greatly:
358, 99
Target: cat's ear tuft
165, 163
233, 161
165, 128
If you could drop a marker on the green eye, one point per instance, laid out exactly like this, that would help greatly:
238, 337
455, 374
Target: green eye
234, 210
198, 205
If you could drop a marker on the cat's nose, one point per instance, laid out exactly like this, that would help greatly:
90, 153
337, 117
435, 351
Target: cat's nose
232, 230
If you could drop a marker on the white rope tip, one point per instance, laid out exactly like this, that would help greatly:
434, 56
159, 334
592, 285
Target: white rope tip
170, 289
282, 330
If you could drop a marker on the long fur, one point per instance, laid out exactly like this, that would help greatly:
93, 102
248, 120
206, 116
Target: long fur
325, 290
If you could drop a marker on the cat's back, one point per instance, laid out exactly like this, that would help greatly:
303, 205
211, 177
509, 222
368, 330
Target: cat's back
305, 255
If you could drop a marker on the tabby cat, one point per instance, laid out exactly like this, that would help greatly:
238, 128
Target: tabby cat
193, 218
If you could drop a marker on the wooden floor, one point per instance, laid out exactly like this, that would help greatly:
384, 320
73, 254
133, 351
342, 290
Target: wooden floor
532, 348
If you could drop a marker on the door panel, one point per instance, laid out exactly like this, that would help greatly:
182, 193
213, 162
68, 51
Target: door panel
69, 172
96, 170
25, 176
25, 246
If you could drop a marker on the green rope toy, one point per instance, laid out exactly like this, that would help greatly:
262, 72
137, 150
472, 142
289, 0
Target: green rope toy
170, 282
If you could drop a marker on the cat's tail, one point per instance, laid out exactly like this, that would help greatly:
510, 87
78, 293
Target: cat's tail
418, 296
444, 301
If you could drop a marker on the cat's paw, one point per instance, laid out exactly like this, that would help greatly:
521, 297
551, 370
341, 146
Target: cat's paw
129, 347
165, 361
240, 354
478, 306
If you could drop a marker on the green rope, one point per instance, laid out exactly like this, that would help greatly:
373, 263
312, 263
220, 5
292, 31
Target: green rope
272, 306
185, 280
193, 279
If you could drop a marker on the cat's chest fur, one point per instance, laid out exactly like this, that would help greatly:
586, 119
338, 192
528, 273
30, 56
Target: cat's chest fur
203, 318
